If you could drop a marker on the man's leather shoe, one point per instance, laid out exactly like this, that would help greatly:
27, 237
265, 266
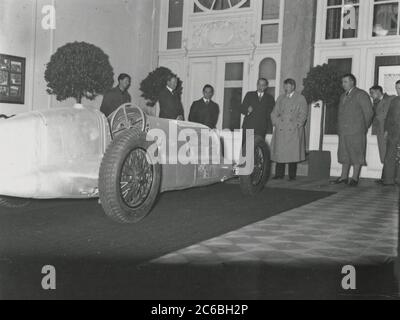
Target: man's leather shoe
340, 181
277, 178
353, 183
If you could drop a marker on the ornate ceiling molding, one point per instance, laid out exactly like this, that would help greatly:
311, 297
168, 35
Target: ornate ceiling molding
221, 34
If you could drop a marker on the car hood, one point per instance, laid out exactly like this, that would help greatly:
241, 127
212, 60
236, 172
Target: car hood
45, 152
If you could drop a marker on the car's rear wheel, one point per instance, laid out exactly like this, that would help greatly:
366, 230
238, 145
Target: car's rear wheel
255, 183
129, 181
14, 203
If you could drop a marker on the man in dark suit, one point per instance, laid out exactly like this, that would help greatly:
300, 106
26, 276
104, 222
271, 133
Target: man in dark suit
170, 101
391, 172
205, 111
355, 118
257, 107
117, 96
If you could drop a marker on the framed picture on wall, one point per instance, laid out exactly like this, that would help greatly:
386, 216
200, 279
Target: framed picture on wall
12, 79
388, 76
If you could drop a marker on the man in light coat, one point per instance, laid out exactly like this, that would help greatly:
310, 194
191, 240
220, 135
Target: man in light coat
355, 118
289, 140
382, 103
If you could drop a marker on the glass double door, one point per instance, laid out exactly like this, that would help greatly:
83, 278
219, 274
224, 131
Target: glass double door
229, 77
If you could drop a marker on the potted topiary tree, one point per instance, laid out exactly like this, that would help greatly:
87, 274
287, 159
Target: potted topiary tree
152, 85
322, 89
79, 70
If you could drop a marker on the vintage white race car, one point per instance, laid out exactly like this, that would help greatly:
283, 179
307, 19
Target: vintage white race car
77, 153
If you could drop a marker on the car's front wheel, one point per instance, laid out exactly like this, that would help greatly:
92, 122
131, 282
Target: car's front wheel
129, 181
14, 203
255, 183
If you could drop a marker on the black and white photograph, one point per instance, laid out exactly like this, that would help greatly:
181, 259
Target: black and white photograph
4, 91
4, 63
16, 66
15, 91
199, 151
12, 79
4, 78
15, 79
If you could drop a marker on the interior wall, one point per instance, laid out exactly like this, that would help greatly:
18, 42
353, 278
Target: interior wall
126, 30
17, 38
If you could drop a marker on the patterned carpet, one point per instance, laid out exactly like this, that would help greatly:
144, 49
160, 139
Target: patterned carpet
355, 226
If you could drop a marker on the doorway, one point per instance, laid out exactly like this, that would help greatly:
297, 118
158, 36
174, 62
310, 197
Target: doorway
229, 77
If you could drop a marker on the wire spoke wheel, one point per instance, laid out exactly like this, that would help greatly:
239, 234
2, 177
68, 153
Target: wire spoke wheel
136, 178
258, 172
255, 182
129, 182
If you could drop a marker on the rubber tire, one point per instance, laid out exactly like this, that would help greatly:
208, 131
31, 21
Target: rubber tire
246, 182
109, 179
14, 203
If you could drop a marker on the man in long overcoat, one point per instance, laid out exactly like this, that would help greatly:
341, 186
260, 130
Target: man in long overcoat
382, 102
289, 141
391, 172
355, 117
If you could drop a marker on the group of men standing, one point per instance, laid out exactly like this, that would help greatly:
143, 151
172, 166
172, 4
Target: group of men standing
356, 114
387, 128
287, 118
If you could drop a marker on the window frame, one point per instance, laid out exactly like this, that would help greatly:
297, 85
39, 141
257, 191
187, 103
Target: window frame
365, 25
342, 6
261, 23
163, 43
214, 12
373, 3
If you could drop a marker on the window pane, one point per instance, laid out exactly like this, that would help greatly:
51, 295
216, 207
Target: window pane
343, 66
270, 9
386, 20
234, 71
175, 18
174, 40
268, 69
335, 2
220, 4
232, 104
333, 23
350, 23
216, 4
269, 33
246, 4
342, 14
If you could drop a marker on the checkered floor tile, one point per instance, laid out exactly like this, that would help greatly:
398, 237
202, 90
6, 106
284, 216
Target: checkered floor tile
354, 226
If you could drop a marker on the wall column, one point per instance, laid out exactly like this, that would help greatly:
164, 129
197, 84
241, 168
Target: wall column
298, 39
